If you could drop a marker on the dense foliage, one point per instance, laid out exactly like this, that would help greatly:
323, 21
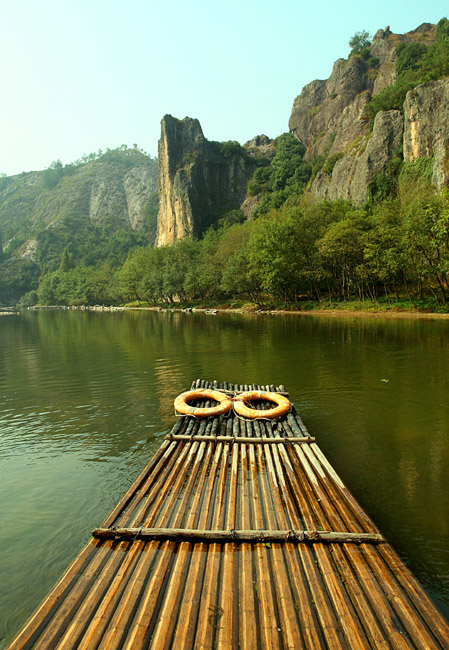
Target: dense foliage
309, 250
285, 177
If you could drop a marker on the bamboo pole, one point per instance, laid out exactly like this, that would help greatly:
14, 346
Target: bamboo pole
362, 605
240, 439
137, 486
92, 555
210, 612
144, 621
103, 563
275, 517
418, 633
171, 607
248, 614
201, 593
227, 623
333, 603
188, 612
304, 603
418, 596
268, 619
256, 536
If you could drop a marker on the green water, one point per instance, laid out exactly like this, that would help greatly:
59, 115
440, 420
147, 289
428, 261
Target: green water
86, 398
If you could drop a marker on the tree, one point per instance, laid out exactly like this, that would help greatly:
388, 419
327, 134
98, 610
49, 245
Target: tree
359, 41
67, 262
288, 166
52, 175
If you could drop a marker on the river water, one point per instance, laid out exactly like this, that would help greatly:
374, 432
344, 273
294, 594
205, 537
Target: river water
86, 398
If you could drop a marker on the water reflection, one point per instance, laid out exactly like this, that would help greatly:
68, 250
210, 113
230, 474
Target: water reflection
87, 397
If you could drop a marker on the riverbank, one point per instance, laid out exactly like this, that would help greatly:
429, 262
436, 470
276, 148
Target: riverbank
417, 309
339, 310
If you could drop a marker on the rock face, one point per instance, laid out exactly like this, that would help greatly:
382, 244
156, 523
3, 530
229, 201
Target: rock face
199, 181
90, 206
317, 113
114, 188
330, 119
352, 174
426, 127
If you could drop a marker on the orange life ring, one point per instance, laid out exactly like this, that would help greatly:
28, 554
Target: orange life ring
283, 404
224, 403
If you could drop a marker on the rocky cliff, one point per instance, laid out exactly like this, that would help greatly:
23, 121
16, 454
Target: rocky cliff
426, 127
116, 186
98, 209
331, 118
199, 181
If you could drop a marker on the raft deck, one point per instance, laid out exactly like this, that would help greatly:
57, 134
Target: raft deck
237, 534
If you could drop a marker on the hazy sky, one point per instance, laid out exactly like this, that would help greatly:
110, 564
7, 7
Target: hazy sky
79, 76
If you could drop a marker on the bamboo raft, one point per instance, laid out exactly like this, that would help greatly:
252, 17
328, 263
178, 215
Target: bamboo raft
237, 534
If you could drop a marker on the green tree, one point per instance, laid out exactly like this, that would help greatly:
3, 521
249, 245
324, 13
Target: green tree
359, 41
288, 166
342, 252
52, 175
67, 261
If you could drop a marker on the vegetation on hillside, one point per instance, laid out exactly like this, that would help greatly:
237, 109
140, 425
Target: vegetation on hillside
417, 63
44, 213
294, 249
307, 249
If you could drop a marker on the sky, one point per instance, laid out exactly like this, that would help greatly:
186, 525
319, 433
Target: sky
82, 76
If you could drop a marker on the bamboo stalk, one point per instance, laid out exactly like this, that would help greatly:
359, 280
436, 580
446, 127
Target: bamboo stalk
139, 482
304, 604
185, 630
419, 633
338, 600
211, 612
227, 622
370, 620
90, 554
416, 593
269, 622
210, 586
240, 439
144, 620
106, 631
101, 563
176, 610
275, 517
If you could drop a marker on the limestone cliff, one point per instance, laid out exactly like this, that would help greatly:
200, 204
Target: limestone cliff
426, 127
99, 209
199, 181
352, 174
331, 119
114, 188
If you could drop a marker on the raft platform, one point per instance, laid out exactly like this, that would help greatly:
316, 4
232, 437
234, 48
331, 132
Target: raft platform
237, 534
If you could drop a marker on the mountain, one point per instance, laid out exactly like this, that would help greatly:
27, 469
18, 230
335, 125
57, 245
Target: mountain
97, 210
383, 106
352, 136
388, 100
199, 180
202, 182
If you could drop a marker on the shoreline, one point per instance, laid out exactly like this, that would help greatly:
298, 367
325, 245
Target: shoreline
350, 313
346, 313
